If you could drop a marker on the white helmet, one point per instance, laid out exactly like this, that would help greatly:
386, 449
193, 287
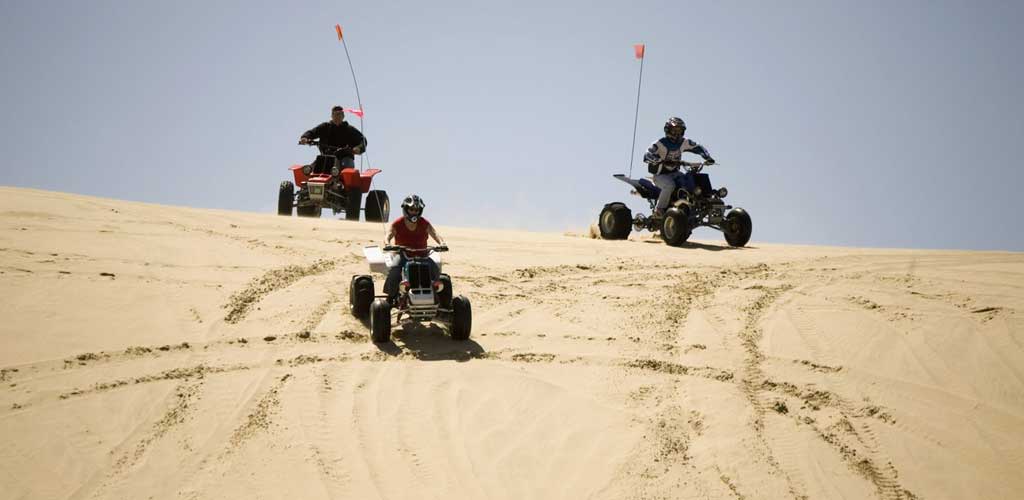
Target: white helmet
412, 207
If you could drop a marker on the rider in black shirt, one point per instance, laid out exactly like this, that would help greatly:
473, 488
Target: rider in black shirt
337, 137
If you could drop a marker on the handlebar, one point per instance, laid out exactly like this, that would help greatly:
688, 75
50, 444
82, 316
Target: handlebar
400, 248
329, 148
691, 166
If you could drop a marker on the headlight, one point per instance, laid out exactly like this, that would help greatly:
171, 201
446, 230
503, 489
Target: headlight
335, 171
306, 170
722, 192
697, 191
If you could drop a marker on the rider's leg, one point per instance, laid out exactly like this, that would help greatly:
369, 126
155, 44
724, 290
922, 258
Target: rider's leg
393, 279
435, 272
346, 162
667, 184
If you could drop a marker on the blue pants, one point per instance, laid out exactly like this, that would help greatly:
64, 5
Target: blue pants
669, 182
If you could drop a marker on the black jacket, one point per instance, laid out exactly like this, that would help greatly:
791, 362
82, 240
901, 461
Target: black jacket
339, 136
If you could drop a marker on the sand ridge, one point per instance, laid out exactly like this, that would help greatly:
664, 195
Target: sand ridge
169, 352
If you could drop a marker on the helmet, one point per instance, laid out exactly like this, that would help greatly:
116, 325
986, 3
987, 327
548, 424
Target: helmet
412, 207
675, 128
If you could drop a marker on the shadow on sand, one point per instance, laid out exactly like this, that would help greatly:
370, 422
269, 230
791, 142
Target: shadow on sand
701, 246
430, 342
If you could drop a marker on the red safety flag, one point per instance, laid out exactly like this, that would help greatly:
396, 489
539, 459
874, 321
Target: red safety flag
337, 27
357, 112
638, 49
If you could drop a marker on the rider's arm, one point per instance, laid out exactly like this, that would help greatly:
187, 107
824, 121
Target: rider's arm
361, 147
391, 236
313, 133
433, 234
692, 147
656, 153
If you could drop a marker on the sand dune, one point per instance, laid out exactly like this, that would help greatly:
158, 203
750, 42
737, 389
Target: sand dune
164, 352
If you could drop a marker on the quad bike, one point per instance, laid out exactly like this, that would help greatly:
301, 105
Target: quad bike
422, 297
325, 184
686, 211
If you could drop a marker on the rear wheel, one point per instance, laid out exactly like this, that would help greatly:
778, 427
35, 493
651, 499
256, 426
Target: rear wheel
285, 197
462, 318
380, 321
615, 222
675, 229
378, 207
360, 295
737, 227
353, 200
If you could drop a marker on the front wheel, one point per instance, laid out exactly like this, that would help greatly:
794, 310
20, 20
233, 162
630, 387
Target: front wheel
380, 321
737, 227
378, 207
285, 197
462, 318
353, 199
615, 221
675, 229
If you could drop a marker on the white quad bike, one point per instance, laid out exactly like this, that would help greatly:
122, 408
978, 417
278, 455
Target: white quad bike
422, 297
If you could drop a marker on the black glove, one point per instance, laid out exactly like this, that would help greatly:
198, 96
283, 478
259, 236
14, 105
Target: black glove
709, 161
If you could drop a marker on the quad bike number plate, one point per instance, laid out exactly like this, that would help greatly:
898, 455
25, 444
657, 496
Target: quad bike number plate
316, 191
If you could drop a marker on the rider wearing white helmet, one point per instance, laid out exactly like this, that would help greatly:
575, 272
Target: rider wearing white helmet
410, 231
663, 159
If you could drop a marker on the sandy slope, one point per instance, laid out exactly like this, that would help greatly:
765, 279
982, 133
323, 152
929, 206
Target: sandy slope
161, 352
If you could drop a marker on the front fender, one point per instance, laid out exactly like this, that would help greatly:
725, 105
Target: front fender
300, 178
682, 204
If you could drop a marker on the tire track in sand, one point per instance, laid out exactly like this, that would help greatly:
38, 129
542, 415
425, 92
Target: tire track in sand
257, 421
870, 462
751, 380
240, 302
187, 393
226, 405
319, 432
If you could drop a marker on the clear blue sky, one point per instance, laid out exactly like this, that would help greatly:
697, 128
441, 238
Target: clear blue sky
892, 124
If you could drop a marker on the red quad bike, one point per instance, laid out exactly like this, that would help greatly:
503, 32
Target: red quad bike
422, 296
324, 184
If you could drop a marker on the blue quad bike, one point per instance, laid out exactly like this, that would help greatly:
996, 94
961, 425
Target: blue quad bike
686, 212
423, 297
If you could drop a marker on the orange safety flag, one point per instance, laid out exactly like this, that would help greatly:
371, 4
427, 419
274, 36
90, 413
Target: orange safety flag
638, 49
337, 27
357, 112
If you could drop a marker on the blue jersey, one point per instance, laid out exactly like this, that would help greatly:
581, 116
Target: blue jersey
666, 149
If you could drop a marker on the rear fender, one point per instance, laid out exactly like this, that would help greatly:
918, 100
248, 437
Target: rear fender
362, 180
350, 178
627, 180
641, 187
